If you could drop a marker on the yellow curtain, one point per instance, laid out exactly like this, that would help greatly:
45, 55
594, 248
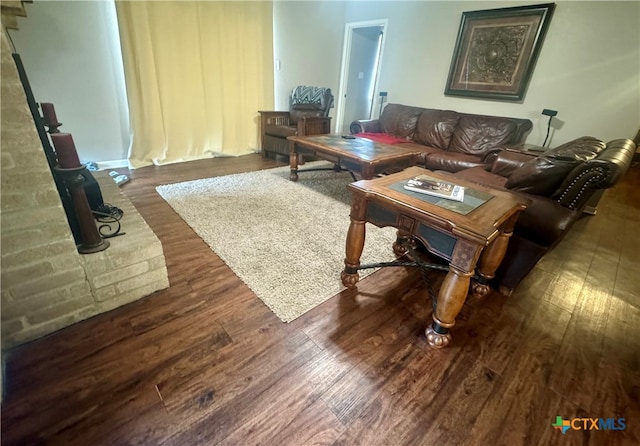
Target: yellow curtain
196, 72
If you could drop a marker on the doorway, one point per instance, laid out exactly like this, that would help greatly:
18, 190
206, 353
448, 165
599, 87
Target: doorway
359, 77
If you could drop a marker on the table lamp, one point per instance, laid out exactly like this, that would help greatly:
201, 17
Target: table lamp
550, 114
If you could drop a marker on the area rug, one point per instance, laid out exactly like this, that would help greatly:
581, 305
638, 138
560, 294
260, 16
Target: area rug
285, 240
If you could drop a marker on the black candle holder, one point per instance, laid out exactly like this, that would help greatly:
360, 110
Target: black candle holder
91, 240
53, 128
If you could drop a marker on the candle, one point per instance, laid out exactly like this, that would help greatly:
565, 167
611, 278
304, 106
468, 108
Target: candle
66, 150
49, 114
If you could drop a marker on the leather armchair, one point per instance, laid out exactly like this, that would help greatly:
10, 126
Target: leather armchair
560, 183
308, 115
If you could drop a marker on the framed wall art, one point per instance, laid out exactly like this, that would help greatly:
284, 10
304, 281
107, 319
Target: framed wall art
496, 51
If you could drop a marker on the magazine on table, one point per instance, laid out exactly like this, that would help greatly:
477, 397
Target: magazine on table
438, 188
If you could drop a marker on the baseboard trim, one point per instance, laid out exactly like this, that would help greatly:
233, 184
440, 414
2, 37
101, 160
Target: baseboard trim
113, 164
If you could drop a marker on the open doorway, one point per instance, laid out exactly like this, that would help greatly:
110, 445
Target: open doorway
359, 77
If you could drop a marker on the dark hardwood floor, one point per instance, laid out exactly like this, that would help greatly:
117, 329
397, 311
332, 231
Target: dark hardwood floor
206, 363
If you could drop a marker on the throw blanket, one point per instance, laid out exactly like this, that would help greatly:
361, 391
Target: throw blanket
304, 94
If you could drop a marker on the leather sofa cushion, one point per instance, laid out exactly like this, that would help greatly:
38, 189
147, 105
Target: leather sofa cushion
477, 135
580, 149
451, 161
544, 221
506, 162
399, 120
422, 150
435, 128
542, 175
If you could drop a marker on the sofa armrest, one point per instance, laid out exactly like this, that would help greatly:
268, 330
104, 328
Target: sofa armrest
599, 173
580, 185
505, 162
314, 125
544, 221
368, 125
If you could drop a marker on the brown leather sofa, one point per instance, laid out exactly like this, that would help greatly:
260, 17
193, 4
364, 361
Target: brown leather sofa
560, 183
447, 140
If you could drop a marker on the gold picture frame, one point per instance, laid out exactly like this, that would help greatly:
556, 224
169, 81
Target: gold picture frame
496, 51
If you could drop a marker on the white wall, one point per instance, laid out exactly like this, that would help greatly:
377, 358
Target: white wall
587, 69
71, 53
308, 42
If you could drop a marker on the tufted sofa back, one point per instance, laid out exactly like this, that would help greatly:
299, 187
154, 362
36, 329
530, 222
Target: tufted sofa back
453, 131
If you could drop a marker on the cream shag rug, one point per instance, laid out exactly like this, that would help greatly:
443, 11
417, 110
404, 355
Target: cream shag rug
285, 240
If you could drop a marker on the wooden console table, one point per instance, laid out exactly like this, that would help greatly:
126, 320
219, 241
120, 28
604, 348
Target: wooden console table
472, 236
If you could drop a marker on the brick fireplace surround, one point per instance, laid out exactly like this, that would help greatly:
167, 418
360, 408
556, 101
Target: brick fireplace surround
46, 284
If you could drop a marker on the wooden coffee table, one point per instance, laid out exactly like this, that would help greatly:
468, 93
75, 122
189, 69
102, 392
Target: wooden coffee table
472, 236
359, 155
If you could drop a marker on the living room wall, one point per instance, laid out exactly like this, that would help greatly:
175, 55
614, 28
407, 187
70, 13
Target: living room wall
587, 69
307, 42
71, 53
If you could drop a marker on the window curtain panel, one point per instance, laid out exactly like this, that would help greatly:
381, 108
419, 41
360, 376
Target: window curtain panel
196, 73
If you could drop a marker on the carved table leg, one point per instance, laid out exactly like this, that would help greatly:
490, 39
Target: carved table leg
355, 242
354, 246
403, 239
489, 261
451, 297
293, 164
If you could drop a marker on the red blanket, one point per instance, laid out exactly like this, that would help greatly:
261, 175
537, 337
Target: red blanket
383, 138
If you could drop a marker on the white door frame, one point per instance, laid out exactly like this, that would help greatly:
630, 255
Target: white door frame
346, 51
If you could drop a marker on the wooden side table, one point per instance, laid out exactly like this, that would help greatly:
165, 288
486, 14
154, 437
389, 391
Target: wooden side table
472, 236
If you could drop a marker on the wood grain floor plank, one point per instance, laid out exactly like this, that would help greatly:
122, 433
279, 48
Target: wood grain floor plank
284, 406
617, 392
121, 419
408, 405
471, 393
82, 341
224, 404
314, 426
520, 395
352, 394
541, 426
205, 362
579, 356
500, 339
103, 372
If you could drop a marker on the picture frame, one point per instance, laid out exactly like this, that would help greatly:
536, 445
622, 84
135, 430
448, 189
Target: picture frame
496, 51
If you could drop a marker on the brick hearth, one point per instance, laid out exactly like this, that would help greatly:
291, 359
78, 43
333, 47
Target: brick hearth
46, 284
